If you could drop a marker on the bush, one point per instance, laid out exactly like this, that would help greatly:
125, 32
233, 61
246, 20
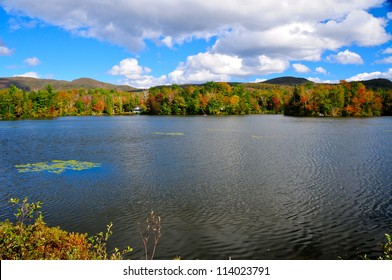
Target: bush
387, 248
29, 238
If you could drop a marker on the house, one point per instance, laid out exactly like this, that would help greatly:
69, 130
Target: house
137, 110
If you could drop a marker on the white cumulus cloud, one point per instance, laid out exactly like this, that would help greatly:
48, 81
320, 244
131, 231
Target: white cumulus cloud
260, 80
320, 81
32, 61
372, 75
198, 69
345, 57
358, 27
270, 65
387, 51
4, 50
300, 68
29, 75
135, 75
129, 23
220, 67
208, 67
129, 67
386, 60
321, 70
250, 37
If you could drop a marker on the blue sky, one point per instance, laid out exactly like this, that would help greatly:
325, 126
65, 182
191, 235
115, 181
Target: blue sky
145, 43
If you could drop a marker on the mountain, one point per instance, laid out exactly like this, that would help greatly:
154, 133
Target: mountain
29, 84
378, 83
293, 81
287, 81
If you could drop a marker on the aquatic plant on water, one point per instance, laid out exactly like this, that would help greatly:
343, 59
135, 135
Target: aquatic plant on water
56, 166
169, 133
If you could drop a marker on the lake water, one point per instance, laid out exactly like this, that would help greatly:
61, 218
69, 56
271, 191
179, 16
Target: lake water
251, 187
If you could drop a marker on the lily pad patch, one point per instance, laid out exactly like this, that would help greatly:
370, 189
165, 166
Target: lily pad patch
169, 133
56, 166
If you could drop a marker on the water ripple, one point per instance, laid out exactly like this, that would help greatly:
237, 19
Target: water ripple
255, 187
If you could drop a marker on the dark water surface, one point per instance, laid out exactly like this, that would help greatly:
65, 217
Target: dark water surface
252, 187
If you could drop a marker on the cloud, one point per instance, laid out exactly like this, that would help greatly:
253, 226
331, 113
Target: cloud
321, 70
129, 23
389, 15
387, 51
260, 80
220, 67
32, 61
345, 57
129, 67
168, 41
300, 68
386, 60
247, 37
135, 75
284, 41
358, 27
22, 22
320, 81
373, 75
208, 67
4, 50
29, 75
198, 69
145, 81
271, 65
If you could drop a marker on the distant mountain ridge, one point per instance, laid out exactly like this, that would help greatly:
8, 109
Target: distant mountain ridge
29, 84
378, 83
287, 81
294, 81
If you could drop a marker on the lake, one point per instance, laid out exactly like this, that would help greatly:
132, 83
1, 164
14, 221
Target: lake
240, 187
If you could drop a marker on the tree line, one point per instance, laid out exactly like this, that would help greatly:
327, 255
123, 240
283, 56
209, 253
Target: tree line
212, 98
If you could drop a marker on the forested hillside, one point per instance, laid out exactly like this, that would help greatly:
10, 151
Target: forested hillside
343, 99
29, 84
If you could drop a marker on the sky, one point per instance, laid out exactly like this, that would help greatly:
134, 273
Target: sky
144, 43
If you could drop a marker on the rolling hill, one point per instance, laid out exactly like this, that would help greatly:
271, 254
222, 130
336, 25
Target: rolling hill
378, 83
29, 84
293, 81
287, 81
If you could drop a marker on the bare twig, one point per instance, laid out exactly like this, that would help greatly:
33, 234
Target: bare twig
153, 225
144, 238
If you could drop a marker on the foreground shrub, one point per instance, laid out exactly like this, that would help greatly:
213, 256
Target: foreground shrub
29, 238
387, 248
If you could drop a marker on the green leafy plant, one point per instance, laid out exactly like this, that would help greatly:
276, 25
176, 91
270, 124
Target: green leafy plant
26, 211
99, 243
387, 248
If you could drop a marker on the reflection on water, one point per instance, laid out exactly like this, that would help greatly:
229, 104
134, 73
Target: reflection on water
253, 187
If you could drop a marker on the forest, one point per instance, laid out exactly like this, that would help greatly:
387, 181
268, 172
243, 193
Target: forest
346, 99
